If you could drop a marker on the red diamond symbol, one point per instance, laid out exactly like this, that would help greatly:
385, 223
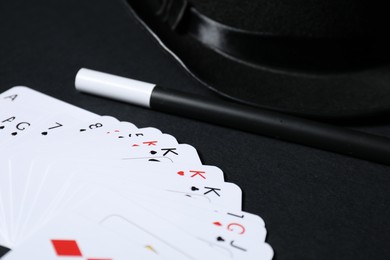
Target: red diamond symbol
66, 247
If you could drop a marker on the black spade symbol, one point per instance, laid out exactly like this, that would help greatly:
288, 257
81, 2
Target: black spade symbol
14, 133
220, 239
82, 130
44, 133
2, 127
193, 188
153, 152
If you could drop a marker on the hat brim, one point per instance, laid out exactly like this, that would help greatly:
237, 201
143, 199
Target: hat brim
337, 95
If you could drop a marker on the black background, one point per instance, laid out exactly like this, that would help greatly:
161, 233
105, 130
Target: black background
316, 204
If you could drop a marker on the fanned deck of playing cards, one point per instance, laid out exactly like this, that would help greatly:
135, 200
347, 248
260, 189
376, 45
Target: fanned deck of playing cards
75, 185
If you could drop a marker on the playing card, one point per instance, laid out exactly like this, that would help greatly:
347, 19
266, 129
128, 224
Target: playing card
16, 122
106, 189
46, 183
71, 237
28, 97
15, 180
141, 218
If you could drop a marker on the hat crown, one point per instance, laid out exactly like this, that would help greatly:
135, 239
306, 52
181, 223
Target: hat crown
308, 18
296, 56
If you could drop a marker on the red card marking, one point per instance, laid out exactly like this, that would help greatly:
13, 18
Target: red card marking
217, 223
200, 173
66, 247
240, 229
150, 143
181, 173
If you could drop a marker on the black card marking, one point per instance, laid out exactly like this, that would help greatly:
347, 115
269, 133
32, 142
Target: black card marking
220, 239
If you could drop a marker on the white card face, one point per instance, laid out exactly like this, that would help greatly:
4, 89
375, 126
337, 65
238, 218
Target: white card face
241, 240
51, 134
70, 177
47, 183
91, 146
17, 122
144, 238
4, 189
70, 237
16, 180
108, 209
23, 108
27, 97
33, 201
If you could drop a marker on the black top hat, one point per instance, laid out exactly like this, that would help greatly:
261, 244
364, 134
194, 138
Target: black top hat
315, 58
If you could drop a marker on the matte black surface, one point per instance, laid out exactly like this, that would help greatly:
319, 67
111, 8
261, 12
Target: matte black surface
316, 204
